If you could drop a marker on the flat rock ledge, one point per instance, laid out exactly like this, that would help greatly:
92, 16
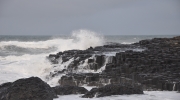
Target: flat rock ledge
113, 89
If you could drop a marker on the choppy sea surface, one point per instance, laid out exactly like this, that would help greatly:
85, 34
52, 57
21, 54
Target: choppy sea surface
25, 56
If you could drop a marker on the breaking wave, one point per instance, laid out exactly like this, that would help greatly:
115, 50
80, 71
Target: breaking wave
81, 39
20, 59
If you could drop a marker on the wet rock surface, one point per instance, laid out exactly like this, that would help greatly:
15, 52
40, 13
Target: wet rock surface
114, 69
89, 59
113, 89
155, 64
67, 90
26, 89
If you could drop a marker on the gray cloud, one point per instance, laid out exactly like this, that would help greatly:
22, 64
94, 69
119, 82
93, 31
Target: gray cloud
120, 17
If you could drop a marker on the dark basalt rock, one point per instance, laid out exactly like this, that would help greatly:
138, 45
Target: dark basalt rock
56, 73
32, 88
81, 55
67, 90
157, 67
3, 89
79, 79
100, 60
67, 80
112, 89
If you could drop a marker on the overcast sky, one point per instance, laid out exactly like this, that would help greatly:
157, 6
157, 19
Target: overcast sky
109, 17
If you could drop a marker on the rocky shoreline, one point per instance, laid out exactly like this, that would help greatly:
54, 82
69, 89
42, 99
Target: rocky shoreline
156, 67
114, 69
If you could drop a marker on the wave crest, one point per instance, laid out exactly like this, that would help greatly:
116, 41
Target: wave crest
28, 63
80, 39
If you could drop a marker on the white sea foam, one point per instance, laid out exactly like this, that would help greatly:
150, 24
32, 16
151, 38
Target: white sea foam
148, 95
14, 67
81, 39
59, 67
127, 42
22, 66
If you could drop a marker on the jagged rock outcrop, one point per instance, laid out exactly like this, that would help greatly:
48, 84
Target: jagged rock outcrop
32, 88
95, 58
67, 90
112, 89
91, 79
157, 67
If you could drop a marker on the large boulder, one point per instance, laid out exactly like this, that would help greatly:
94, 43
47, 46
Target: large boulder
32, 88
112, 89
66, 90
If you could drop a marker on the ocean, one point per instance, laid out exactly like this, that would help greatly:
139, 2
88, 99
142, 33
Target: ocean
25, 56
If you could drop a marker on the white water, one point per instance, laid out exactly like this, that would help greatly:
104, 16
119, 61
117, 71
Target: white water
81, 39
13, 67
148, 95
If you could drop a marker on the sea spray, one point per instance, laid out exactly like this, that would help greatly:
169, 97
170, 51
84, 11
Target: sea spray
31, 55
84, 39
22, 67
80, 39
